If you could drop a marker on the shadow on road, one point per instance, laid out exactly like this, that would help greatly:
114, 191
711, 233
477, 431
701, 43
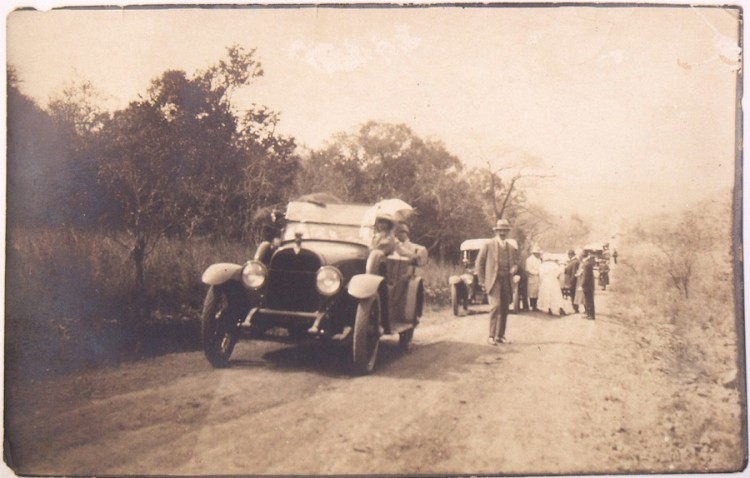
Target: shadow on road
441, 361
445, 360
469, 312
323, 359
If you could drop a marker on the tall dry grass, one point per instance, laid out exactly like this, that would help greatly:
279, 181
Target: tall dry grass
694, 342
70, 296
435, 276
702, 329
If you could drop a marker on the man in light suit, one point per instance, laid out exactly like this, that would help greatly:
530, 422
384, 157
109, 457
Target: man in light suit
496, 264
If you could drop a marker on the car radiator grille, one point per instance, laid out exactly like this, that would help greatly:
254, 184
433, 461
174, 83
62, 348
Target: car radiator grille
291, 282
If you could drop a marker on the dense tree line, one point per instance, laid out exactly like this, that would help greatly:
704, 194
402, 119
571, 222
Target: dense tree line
185, 161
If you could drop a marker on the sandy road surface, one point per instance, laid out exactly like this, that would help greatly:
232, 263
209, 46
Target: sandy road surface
567, 395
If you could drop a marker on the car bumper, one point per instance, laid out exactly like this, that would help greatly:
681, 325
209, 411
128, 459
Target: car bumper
266, 319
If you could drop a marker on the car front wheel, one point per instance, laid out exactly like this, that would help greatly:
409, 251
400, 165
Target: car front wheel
454, 299
219, 327
366, 335
404, 339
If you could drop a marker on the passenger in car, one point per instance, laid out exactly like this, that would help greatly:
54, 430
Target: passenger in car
384, 239
406, 248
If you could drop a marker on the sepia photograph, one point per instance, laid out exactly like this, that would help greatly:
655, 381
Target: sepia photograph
498, 239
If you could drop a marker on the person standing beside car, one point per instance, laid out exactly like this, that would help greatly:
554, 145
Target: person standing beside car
603, 274
571, 280
495, 265
588, 283
532, 266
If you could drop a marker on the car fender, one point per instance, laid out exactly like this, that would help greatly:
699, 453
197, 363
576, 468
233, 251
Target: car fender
374, 261
462, 290
217, 274
363, 286
414, 299
264, 252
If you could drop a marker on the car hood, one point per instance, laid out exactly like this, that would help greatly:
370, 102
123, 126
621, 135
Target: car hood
331, 252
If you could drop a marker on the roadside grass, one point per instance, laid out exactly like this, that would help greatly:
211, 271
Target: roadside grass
703, 327
70, 295
435, 276
694, 342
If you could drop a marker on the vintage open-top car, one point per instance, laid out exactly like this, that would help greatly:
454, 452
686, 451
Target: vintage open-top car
465, 289
320, 282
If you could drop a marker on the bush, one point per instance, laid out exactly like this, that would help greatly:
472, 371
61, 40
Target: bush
65, 298
437, 290
703, 326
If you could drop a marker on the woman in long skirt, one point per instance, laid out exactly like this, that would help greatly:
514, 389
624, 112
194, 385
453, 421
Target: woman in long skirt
578, 297
550, 293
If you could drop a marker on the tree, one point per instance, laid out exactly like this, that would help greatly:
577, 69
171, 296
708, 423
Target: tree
271, 166
76, 108
179, 162
382, 160
37, 156
79, 117
502, 197
501, 188
685, 243
137, 167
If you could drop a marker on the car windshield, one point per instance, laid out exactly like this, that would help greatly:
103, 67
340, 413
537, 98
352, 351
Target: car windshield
470, 256
330, 222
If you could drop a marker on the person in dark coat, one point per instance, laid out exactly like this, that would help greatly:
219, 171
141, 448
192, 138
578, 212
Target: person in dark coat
521, 299
588, 283
571, 281
603, 275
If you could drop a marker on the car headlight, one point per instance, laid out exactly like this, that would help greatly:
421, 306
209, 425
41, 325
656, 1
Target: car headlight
328, 280
254, 274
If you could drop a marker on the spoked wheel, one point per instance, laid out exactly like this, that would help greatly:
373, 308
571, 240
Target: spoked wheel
366, 335
219, 327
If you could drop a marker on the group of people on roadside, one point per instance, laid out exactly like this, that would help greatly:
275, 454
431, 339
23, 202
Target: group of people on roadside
534, 284
545, 287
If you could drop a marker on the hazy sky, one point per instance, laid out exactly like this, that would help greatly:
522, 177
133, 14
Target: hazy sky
630, 109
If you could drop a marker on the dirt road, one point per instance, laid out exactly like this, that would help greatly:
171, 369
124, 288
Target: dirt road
567, 395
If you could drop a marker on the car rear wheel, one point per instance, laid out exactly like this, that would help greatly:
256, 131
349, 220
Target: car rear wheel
219, 327
366, 335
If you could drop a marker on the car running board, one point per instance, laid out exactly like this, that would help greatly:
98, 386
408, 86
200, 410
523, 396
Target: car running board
399, 327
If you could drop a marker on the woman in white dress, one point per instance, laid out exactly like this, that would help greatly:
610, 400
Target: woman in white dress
550, 294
